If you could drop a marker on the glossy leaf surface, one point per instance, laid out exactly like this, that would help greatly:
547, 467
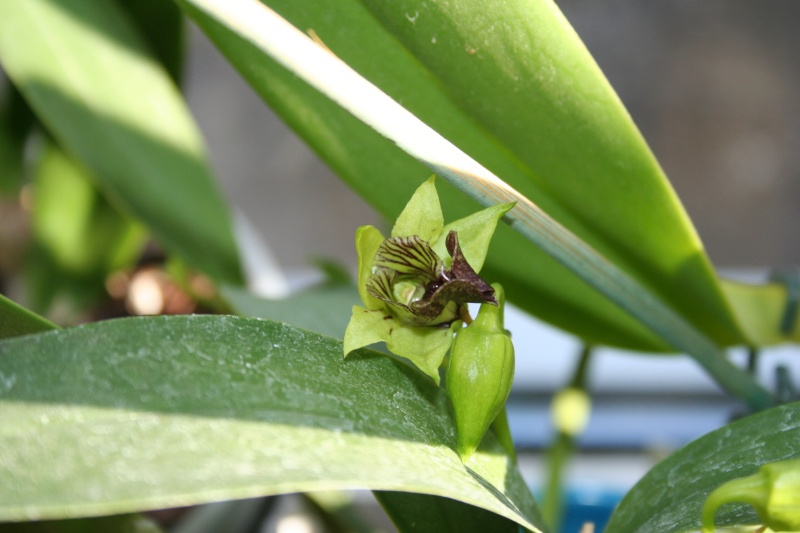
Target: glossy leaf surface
670, 497
169, 411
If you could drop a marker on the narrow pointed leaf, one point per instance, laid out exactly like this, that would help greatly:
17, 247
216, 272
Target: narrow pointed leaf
281, 41
15, 320
168, 411
92, 81
676, 265
387, 177
670, 497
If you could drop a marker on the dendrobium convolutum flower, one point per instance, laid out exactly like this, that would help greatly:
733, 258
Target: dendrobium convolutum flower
415, 284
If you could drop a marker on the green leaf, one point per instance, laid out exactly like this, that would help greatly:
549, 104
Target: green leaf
670, 497
602, 186
318, 309
162, 26
157, 412
15, 320
16, 122
79, 229
422, 215
91, 80
422, 513
104, 524
283, 42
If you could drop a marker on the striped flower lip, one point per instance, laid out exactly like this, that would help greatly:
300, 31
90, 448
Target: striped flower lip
416, 286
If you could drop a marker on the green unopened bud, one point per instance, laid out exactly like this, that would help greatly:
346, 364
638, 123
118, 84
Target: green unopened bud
479, 374
774, 492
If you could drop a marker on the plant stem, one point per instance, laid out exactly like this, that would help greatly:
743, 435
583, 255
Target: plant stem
560, 452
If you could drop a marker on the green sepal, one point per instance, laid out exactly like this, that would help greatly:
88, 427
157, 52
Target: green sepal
423, 346
474, 234
368, 239
422, 215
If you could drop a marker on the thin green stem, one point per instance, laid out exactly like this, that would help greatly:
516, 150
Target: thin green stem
561, 452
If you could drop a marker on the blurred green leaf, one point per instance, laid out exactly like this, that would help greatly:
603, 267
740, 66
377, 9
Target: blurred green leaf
15, 320
169, 411
89, 77
670, 497
762, 310
104, 524
575, 152
16, 122
78, 237
162, 26
80, 231
324, 309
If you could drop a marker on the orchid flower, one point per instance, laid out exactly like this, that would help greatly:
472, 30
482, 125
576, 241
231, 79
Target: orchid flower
416, 283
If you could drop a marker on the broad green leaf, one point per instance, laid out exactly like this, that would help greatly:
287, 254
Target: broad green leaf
655, 244
320, 309
168, 411
15, 320
91, 80
105, 524
278, 39
670, 497
422, 513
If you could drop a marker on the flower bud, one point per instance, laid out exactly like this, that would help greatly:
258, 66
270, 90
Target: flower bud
774, 492
479, 374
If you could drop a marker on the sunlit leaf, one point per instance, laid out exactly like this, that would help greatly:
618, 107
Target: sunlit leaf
670, 497
168, 411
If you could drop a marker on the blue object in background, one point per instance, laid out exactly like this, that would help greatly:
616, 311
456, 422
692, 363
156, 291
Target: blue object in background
588, 504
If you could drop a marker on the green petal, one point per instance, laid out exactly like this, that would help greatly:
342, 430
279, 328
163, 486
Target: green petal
422, 215
365, 327
423, 346
474, 234
368, 239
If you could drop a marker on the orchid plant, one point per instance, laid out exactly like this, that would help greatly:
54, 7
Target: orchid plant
115, 418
